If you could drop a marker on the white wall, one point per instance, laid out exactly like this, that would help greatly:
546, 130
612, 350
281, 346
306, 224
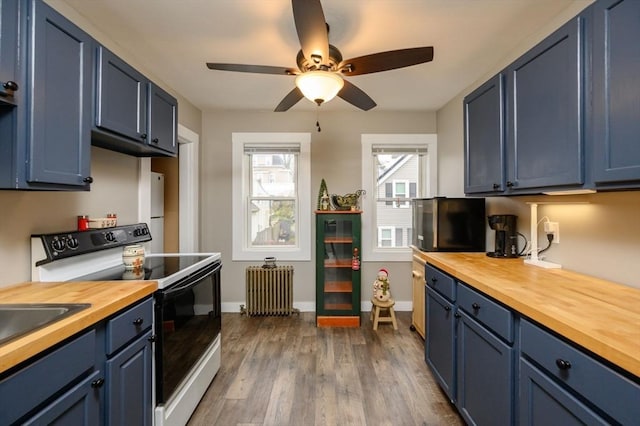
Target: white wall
23, 213
335, 156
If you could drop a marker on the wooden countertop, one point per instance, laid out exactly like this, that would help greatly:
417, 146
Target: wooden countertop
106, 298
599, 315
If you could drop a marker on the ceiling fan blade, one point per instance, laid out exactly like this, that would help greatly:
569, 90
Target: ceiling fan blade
290, 100
355, 96
258, 69
312, 30
384, 61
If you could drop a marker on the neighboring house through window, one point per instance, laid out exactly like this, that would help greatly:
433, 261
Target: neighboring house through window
395, 169
271, 196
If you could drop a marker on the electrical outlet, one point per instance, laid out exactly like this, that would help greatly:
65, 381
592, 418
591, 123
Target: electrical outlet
553, 228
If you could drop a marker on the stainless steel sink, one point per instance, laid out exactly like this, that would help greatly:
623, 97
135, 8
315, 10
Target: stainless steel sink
19, 319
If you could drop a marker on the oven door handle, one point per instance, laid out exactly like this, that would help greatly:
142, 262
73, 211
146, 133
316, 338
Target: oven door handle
193, 280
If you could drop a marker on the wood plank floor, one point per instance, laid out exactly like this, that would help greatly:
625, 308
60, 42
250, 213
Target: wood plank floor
285, 371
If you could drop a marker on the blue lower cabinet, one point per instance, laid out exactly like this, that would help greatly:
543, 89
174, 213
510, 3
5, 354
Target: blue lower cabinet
440, 344
82, 383
79, 406
485, 375
46, 379
501, 368
575, 375
545, 403
128, 377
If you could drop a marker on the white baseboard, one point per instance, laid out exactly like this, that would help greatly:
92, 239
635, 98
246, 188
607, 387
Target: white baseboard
365, 306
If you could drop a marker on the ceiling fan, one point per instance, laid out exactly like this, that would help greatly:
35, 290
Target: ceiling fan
321, 67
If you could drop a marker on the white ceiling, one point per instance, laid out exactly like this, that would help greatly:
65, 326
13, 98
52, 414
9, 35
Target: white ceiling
174, 39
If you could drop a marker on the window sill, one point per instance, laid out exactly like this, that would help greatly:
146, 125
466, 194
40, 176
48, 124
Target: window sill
279, 253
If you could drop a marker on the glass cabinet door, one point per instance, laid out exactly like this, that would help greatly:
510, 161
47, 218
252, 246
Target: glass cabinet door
338, 264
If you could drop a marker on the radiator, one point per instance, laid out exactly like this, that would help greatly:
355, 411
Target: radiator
269, 291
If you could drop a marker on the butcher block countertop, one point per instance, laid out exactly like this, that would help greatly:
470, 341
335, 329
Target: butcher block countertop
599, 315
106, 298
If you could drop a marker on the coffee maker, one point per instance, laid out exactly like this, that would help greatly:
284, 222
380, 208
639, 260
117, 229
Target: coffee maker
506, 244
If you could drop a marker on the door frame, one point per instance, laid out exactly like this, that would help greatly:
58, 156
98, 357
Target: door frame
189, 160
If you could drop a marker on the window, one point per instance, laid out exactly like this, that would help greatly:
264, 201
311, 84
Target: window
395, 169
393, 237
271, 196
398, 190
384, 236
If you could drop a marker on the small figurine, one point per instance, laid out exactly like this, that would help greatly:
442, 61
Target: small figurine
381, 289
355, 260
324, 201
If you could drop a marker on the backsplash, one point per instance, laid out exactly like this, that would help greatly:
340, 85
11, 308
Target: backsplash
599, 233
23, 213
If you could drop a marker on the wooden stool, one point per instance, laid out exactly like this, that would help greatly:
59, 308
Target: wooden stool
377, 306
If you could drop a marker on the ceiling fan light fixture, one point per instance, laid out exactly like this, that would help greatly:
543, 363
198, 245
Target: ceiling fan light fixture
319, 86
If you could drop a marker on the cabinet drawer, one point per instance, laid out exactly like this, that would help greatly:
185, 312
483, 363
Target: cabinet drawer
496, 317
609, 391
36, 383
128, 325
441, 282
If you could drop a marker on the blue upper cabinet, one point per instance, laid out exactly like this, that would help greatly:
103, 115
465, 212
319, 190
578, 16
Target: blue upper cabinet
616, 94
8, 50
484, 138
545, 139
132, 115
59, 118
163, 120
121, 97
45, 139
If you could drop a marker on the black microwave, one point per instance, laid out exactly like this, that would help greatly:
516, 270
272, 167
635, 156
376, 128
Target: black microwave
449, 224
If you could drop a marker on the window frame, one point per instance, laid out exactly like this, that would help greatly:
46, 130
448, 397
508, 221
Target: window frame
427, 187
241, 250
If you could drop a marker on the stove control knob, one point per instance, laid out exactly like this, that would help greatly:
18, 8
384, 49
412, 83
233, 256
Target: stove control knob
109, 236
73, 243
138, 232
58, 244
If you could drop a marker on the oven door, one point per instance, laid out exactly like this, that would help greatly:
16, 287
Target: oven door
188, 320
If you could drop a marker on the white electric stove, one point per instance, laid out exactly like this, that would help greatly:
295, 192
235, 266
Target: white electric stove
187, 305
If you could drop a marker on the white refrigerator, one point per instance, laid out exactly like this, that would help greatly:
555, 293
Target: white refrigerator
156, 227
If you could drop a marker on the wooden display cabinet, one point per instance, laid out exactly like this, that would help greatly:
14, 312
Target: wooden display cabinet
338, 268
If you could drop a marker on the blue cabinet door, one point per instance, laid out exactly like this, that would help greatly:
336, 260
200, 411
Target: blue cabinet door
121, 97
8, 49
484, 164
484, 375
439, 341
543, 402
58, 123
545, 146
616, 93
78, 406
128, 385
163, 120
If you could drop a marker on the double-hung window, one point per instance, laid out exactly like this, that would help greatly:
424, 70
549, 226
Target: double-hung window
271, 196
395, 169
